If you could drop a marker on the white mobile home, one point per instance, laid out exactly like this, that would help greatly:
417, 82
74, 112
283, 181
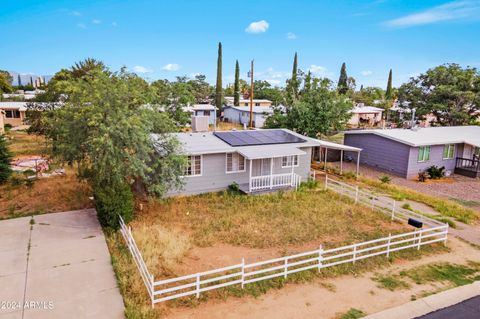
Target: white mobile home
241, 115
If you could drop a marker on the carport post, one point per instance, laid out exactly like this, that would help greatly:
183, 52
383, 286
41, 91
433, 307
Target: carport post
341, 162
358, 162
326, 152
250, 178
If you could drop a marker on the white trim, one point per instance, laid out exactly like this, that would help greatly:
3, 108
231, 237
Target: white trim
453, 155
201, 166
288, 166
233, 172
423, 160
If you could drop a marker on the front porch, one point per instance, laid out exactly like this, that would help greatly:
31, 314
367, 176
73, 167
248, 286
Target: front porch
271, 183
467, 167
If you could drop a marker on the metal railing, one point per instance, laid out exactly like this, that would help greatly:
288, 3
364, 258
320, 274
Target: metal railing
467, 164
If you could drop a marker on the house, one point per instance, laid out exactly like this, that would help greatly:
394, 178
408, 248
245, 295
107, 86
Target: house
14, 112
241, 115
256, 160
246, 102
406, 152
365, 116
203, 110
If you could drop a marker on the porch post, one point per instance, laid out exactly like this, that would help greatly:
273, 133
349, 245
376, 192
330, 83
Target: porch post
271, 173
358, 162
250, 178
341, 162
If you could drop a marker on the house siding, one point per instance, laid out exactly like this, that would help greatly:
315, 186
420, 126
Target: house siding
242, 117
215, 178
436, 158
380, 152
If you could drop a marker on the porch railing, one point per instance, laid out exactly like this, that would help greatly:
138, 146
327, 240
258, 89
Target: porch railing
274, 181
468, 164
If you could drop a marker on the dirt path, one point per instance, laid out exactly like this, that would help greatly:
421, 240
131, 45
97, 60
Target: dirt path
314, 300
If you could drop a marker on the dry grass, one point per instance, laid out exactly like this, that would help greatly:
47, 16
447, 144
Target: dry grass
22, 144
46, 195
225, 126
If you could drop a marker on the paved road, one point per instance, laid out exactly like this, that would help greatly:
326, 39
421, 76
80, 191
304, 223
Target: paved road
468, 309
59, 267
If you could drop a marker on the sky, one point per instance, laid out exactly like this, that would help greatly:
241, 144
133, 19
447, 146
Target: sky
165, 39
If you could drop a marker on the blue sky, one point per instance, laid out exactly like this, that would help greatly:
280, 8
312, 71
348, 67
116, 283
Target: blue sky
164, 39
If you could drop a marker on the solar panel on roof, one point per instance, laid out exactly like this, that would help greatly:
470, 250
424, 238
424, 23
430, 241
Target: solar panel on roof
248, 138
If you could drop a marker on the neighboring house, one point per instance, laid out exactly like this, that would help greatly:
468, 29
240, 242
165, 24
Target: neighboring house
241, 115
246, 102
365, 116
14, 112
256, 160
406, 152
203, 110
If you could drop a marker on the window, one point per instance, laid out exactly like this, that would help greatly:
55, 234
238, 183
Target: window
448, 151
287, 161
476, 152
206, 113
424, 153
257, 104
235, 163
194, 166
9, 114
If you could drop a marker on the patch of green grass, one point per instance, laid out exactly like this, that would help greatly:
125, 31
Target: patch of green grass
467, 203
453, 274
352, 314
390, 282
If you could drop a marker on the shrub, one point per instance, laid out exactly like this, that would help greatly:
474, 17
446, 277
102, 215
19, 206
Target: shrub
385, 179
5, 158
309, 184
111, 201
234, 187
17, 180
7, 127
422, 176
436, 172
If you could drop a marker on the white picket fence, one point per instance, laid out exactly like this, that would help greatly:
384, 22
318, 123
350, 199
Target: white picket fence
246, 273
274, 181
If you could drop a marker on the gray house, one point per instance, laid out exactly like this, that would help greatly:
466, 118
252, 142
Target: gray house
241, 115
257, 160
203, 110
406, 152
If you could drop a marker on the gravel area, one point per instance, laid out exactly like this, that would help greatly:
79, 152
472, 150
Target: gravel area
461, 188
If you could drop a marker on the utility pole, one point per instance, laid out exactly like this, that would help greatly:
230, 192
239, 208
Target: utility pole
251, 96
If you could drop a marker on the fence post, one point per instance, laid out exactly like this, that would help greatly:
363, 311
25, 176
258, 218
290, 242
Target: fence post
446, 235
354, 253
152, 297
243, 272
320, 257
393, 209
198, 286
419, 239
388, 244
356, 194
285, 271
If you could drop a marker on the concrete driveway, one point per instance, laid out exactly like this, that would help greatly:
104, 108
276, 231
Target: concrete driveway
56, 266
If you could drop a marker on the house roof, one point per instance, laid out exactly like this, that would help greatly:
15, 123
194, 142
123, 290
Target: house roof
255, 109
366, 109
208, 143
231, 99
203, 107
430, 135
21, 106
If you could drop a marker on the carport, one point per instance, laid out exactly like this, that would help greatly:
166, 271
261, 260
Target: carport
320, 154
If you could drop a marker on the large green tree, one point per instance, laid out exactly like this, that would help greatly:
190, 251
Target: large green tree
342, 85
293, 84
5, 82
218, 85
389, 91
449, 92
236, 87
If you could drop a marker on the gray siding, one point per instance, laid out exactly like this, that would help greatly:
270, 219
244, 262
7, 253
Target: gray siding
242, 117
436, 158
215, 178
380, 152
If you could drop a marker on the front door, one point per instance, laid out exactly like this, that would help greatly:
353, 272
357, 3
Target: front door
261, 167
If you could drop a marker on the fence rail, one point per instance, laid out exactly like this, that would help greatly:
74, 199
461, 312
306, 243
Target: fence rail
274, 181
243, 273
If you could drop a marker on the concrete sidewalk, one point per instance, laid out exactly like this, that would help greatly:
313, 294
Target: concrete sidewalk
429, 304
58, 266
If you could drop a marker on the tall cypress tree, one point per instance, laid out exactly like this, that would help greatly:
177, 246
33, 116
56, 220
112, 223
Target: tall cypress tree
342, 86
218, 88
294, 70
292, 84
236, 88
19, 80
388, 92
31, 81
5, 158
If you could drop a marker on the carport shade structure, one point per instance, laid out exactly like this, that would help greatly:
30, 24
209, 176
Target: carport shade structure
342, 148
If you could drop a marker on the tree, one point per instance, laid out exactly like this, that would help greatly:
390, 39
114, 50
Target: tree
448, 92
5, 158
293, 84
5, 82
388, 92
19, 80
236, 90
218, 86
264, 90
342, 85
105, 130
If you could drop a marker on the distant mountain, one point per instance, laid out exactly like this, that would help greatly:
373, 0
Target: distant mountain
25, 78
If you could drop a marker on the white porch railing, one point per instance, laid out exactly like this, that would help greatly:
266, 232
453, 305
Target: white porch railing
274, 181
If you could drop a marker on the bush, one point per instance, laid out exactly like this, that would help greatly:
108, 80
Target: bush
422, 176
7, 127
5, 158
385, 179
17, 180
436, 172
309, 184
112, 201
234, 187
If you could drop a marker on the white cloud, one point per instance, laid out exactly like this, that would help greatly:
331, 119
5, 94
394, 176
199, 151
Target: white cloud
319, 70
366, 73
455, 10
171, 67
291, 36
76, 13
114, 24
257, 27
96, 21
141, 69
272, 76
81, 26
